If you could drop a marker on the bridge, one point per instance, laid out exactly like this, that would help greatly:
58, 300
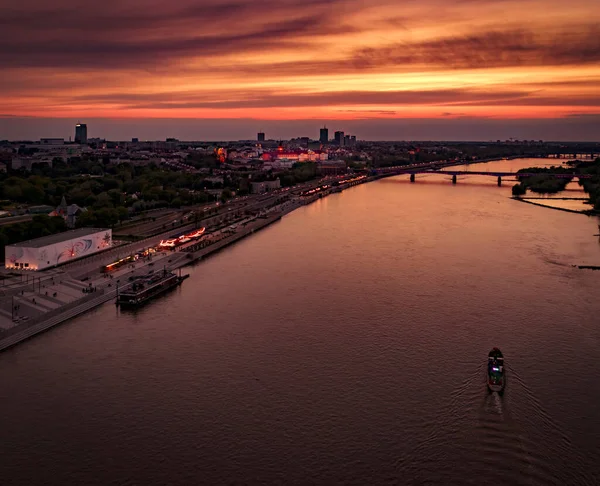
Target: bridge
434, 168
407, 169
499, 175
558, 175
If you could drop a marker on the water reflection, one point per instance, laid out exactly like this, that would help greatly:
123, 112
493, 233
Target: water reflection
345, 344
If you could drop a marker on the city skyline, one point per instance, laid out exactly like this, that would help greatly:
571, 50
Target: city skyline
225, 70
579, 129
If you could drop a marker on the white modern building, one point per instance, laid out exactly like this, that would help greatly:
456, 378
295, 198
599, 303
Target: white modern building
51, 251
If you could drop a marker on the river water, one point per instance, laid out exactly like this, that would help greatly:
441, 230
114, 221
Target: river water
345, 344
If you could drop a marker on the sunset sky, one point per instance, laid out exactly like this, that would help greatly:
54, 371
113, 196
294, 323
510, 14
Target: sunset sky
223, 69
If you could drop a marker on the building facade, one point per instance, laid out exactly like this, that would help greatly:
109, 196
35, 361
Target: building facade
81, 133
260, 137
27, 162
266, 186
324, 135
54, 250
332, 167
339, 138
282, 155
69, 213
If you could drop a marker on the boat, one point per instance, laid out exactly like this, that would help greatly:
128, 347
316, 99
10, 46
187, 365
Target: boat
495, 371
146, 288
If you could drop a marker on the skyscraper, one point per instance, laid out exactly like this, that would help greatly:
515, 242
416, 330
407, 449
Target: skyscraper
324, 136
260, 137
339, 138
81, 133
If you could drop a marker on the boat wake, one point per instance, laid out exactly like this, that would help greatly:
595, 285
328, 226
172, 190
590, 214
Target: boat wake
506, 439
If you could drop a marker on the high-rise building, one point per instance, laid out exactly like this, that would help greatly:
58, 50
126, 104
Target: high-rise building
324, 136
260, 137
347, 141
81, 133
339, 138
353, 140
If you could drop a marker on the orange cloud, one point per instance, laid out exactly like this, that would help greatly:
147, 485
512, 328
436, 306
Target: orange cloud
292, 59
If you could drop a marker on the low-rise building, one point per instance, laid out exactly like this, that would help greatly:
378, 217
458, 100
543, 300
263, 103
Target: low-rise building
68, 212
282, 155
44, 209
52, 141
27, 162
266, 186
332, 167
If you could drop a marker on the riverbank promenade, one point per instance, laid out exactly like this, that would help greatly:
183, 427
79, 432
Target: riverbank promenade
33, 303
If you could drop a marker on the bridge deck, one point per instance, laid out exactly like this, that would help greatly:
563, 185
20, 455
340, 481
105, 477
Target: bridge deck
437, 168
501, 174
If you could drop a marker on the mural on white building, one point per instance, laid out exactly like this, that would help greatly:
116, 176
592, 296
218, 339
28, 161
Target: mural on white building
37, 258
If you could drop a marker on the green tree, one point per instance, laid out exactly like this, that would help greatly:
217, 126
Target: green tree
116, 197
123, 213
103, 201
518, 190
13, 192
33, 194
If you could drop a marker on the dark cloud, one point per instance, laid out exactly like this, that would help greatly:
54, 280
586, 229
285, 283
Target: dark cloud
379, 112
130, 53
592, 83
133, 15
121, 50
263, 98
577, 45
130, 35
269, 99
585, 116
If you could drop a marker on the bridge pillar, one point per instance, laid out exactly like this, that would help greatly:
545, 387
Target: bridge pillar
499, 181
454, 179
412, 178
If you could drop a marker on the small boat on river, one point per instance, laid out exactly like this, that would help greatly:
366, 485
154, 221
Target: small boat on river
496, 378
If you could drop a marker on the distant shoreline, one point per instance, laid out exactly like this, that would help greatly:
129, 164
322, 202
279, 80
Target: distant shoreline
585, 212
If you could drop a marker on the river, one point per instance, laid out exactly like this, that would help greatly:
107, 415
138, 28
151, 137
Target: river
345, 344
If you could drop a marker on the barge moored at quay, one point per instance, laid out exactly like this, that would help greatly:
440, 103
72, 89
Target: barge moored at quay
144, 289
